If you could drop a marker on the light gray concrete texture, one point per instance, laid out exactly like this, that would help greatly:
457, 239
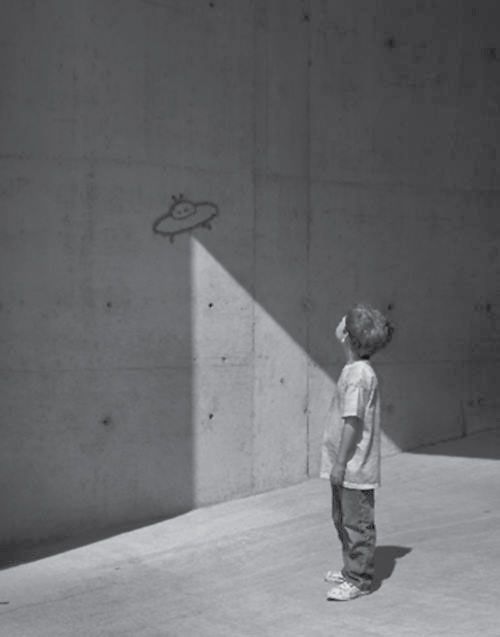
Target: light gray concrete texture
255, 566
351, 151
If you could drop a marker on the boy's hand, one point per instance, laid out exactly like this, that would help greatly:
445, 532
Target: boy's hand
337, 474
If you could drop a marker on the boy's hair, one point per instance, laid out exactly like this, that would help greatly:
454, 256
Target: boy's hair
368, 330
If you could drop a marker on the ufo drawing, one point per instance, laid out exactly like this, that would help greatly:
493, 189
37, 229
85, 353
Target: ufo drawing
184, 215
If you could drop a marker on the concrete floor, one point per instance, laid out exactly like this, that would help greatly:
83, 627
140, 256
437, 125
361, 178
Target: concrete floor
254, 567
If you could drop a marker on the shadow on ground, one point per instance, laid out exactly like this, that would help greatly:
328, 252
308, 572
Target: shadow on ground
385, 562
16, 554
482, 444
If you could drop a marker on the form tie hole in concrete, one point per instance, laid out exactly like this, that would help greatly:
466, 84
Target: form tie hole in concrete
491, 53
210, 305
106, 421
282, 381
390, 307
390, 42
210, 416
109, 305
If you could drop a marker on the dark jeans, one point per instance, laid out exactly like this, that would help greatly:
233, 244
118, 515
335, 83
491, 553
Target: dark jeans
353, 513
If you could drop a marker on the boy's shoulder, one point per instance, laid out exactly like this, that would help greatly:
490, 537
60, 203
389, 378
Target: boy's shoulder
359, 372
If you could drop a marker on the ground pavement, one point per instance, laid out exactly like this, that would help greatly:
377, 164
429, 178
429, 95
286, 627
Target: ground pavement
254, 567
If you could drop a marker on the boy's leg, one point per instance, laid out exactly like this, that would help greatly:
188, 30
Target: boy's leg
359, 536
337, 518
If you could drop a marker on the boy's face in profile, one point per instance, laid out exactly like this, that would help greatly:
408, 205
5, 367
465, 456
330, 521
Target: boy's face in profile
340, 331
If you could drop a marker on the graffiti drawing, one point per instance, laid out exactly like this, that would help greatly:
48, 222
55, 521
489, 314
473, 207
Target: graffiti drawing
184, 216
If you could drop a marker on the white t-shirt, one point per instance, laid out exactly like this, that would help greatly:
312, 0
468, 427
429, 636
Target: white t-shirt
357, 395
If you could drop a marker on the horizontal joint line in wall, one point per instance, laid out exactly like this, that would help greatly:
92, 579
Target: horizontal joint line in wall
423, 187
398, 185
444, 361
124, 161
64, 370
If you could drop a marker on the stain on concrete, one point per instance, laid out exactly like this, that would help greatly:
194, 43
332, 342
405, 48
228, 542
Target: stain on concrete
13, 187
491, 53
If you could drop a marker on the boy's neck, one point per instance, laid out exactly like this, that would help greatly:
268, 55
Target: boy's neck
350, 354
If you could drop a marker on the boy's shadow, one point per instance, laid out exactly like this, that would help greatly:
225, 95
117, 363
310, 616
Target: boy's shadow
385, 562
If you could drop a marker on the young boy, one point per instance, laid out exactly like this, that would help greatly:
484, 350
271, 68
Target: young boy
351, 450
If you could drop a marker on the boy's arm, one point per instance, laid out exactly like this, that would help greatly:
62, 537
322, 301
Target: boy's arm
350, 434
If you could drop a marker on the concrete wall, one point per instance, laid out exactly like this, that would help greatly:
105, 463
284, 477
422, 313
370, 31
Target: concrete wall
405, 134
351, 153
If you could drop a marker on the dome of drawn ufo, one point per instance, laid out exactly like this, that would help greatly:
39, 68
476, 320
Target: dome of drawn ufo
183, 209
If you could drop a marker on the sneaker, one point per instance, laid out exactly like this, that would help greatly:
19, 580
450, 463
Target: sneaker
345, 591
334, 576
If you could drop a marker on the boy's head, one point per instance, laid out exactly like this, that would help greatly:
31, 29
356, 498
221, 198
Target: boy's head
367, 329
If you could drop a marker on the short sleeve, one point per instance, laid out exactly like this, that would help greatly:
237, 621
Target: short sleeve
354, 402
